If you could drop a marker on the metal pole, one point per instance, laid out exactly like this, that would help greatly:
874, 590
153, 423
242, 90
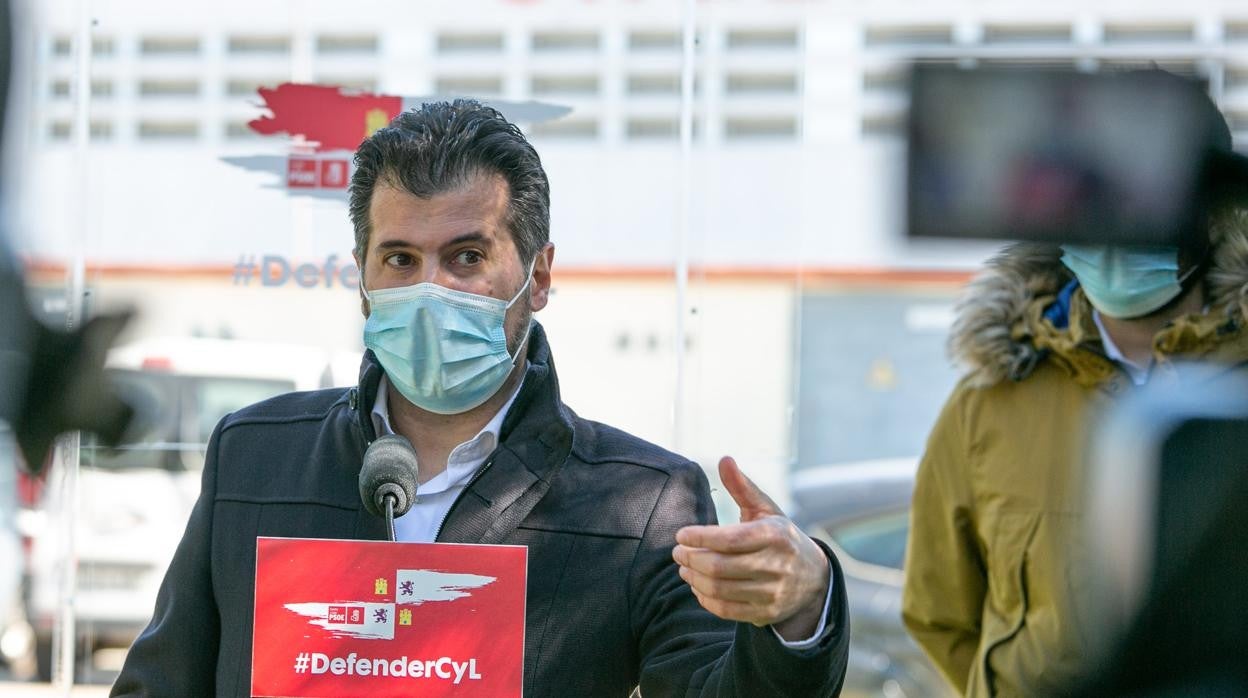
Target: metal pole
684, 205
69, 446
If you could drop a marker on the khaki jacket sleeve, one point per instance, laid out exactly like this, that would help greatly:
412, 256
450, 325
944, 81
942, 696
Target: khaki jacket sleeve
945, 574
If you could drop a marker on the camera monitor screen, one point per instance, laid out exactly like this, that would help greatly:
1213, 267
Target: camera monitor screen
1055, 156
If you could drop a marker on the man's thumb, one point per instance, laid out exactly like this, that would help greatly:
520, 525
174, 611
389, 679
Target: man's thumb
754, 503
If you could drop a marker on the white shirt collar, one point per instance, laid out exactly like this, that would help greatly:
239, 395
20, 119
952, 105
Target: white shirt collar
1138, 373
466, 458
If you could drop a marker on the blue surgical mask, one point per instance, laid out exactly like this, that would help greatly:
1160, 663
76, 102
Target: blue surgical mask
1125, 282
444, 350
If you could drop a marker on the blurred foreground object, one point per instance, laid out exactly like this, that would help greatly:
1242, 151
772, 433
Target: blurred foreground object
50, 382
1138, 157
1169, 493
53, 382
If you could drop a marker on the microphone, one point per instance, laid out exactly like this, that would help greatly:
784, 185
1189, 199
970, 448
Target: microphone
388, 478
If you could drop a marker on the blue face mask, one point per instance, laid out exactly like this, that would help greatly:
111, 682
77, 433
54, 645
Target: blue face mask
444, 350
1126, 282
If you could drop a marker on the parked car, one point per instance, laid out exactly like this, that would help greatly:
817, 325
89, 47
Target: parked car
862, 510
134, 501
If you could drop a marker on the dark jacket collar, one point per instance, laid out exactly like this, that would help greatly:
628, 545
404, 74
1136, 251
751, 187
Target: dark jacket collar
536, 443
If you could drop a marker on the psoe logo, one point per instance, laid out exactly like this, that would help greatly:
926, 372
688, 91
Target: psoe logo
326, 123
346, 615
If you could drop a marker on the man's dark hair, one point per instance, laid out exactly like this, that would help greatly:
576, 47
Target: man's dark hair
441, 146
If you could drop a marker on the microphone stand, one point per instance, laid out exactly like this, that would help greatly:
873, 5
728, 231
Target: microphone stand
390, 517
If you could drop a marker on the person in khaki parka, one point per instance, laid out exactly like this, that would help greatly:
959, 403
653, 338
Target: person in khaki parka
997, 589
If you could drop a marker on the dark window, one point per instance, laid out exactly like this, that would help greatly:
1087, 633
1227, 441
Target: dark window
60, 130
886, 80
651, 128
654, 84
1027, 33
909, 35
565, 41
169, 46
346, 43
168, 130
566, 129
169, 88
1131, 33
100, 46
1236, 31
762, 39
760, 127
266, 45
884, 124
654, 40
761, 83
470, 42
1235, 78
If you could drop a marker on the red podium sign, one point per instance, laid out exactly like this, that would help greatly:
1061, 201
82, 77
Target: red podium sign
339, 617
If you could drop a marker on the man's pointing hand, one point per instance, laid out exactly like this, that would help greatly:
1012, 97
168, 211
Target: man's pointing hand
763, 570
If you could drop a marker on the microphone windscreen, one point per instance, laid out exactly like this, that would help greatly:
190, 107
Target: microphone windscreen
389, 468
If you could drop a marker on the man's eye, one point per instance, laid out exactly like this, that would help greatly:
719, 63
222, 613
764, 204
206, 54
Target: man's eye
469, 257
399, 260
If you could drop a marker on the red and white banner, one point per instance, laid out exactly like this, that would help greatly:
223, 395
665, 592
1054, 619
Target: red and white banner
338, 617
326, 124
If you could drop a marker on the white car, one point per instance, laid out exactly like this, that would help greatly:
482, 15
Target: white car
134, 501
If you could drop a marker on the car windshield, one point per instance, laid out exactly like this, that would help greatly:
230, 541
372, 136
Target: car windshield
876, 540
175, 415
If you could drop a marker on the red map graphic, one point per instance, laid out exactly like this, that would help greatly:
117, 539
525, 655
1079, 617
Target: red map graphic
330, 117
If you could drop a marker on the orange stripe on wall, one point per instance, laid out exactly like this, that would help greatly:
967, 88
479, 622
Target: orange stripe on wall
45, 271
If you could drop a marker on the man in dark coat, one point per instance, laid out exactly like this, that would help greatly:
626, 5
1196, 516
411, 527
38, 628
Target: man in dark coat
630, 581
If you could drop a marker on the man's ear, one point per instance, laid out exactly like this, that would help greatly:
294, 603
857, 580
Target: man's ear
363, 300
539, 290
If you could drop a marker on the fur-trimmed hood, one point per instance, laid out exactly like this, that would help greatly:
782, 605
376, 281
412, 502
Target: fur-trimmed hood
1001, 331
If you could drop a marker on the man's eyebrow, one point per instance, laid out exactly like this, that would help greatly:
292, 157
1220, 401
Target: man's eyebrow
390, 244
474, 236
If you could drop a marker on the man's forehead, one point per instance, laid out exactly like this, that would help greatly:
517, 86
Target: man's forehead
479, 204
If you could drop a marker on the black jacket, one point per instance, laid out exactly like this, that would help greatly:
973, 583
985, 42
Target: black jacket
597, 508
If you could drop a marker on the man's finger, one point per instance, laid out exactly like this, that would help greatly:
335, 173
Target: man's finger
725, 566
730, 610
735, 538
760, 593
754, 503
